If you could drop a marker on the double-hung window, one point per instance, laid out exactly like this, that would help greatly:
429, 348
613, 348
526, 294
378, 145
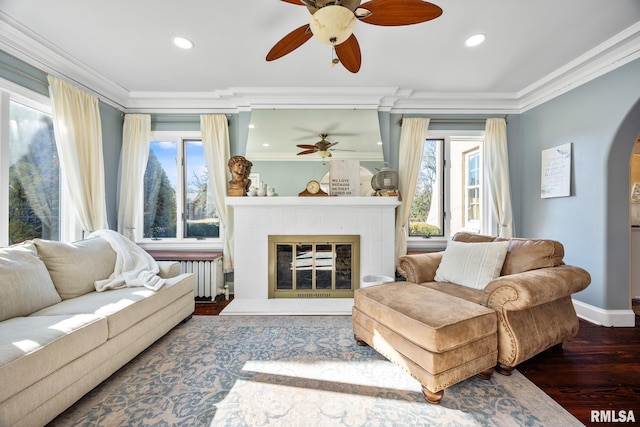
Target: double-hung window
449, 195
178, 207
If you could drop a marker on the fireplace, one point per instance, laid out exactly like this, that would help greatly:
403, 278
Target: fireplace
313, 266
372, 219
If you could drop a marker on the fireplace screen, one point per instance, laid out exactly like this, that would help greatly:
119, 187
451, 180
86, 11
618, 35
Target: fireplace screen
313, 266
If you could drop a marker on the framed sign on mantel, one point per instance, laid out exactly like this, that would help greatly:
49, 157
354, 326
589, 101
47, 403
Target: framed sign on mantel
555, 179
344, 177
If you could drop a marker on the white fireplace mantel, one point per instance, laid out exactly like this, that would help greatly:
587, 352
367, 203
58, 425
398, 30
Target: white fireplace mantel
256, 218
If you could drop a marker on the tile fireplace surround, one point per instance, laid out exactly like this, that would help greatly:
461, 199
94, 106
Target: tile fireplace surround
256, 218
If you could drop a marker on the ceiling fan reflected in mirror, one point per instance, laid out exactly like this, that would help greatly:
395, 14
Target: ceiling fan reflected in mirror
333, 22
322, 147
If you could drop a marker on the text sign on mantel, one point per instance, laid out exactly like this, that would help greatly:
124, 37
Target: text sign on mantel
344, 177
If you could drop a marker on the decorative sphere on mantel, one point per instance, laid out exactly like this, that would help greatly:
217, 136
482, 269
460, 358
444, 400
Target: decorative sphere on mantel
385, 179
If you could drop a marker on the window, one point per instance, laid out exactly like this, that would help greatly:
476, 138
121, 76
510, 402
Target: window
30, 194
448, 195
178, 203
471, 201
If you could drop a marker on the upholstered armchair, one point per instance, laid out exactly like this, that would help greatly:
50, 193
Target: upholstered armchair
531, 296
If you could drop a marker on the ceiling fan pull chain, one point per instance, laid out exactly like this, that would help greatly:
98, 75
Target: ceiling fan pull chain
334, 56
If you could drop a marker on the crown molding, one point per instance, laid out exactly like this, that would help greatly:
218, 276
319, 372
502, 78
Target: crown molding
20, 42
613, 53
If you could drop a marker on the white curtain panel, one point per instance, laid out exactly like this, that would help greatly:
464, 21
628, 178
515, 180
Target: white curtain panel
496, 171
78, 130
136, 136
215, 144
412, 138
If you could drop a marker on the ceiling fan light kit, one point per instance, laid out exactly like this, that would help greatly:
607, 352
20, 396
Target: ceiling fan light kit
332, 25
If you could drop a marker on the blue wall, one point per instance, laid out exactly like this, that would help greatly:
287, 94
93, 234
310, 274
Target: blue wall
602, 120
112, 123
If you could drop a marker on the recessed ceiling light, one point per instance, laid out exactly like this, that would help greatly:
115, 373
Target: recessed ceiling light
265, 145
475, 40
251, 126
182, 43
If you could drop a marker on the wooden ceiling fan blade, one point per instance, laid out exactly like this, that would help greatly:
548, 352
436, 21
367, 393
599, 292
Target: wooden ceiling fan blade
306, 146
399, 12
307, 152
290, 42
349, 54
297, 2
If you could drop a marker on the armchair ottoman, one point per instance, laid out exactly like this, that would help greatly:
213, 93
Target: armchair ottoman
437, 338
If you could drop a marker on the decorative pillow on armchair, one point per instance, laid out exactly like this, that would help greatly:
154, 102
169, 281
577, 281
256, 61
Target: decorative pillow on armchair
472, 264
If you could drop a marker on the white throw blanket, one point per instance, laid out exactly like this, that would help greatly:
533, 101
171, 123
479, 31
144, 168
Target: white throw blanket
134, 266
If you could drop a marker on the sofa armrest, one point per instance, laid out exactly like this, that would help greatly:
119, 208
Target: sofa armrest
531, 288
168, 269
419, 268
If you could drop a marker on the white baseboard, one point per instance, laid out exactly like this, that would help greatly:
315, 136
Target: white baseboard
599, 316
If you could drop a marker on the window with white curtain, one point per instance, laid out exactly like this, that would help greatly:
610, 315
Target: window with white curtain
449, 191
178, 206
30, 195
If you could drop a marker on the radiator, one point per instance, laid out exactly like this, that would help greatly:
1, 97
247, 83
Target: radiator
209, 277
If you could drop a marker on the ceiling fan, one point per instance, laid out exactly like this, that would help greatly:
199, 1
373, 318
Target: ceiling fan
333, 21
321, 147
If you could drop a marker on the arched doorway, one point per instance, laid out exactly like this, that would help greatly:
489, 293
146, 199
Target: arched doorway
618, 254
635, 225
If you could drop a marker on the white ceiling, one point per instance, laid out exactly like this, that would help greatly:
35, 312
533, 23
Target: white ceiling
122, 50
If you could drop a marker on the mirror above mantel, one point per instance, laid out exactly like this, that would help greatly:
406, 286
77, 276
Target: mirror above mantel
274, 134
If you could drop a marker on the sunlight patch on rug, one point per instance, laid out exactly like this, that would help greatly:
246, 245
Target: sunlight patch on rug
327, 390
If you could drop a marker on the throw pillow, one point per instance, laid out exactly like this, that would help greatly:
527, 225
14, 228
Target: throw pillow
75, 267
471, 264
25, 284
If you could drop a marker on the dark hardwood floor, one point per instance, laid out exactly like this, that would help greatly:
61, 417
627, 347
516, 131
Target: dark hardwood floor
598, 369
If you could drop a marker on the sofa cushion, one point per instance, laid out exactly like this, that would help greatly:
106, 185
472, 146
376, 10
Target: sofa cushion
124, 307
25, 286
75, 267
471, 264
33, 347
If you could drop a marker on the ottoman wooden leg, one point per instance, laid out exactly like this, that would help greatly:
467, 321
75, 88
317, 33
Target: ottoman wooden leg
486, 374
360, 342
432, 397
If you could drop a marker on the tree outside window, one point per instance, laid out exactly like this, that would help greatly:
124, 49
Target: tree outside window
34, 176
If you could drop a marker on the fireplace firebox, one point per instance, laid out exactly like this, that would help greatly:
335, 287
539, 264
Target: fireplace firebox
324, 266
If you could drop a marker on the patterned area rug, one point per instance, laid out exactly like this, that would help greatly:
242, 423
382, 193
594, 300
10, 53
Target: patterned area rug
293, 371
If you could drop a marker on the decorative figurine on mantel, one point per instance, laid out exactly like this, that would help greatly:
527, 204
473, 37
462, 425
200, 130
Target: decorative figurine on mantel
240, 169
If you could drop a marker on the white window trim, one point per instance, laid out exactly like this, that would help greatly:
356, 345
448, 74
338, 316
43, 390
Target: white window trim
177, 243
439, 243
70, 229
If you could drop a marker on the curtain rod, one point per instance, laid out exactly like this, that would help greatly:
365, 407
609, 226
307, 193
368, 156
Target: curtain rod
445, 121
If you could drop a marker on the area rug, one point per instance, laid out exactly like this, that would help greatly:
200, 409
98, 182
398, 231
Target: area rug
293, 371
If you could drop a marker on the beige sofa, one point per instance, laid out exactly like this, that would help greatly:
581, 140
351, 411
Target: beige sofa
531, 296
59, 338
